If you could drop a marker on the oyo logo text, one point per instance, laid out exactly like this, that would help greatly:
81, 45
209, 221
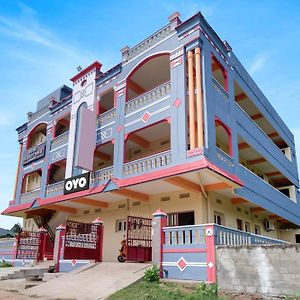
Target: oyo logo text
77, 183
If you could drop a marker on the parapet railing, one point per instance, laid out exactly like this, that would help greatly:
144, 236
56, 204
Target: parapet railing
106, 117
55, 189
101, 175
150, 41
59, 141
30, 196
148, 98
38, 113
195, 234
147, 164
219, 88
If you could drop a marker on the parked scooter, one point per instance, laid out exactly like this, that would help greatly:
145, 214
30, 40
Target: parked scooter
122, 256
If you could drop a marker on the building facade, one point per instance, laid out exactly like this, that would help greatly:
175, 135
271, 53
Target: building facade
177, 125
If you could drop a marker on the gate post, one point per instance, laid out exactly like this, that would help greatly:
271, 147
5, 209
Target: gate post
58, 244
42, 244
99, 223
158, 237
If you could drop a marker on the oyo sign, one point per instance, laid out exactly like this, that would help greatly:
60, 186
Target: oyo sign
77, 183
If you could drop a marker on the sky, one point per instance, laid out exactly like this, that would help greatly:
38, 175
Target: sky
43, 42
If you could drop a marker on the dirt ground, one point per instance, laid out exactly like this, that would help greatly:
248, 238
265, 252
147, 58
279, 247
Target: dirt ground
13, 295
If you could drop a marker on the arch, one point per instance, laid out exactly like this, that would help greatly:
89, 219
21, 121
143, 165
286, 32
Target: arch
33, 131
25, 187
149, 73
223, 136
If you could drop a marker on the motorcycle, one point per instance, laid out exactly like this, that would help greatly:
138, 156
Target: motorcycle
122, 255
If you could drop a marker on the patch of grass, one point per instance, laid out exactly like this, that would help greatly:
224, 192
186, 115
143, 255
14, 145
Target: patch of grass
5, 264
145, 290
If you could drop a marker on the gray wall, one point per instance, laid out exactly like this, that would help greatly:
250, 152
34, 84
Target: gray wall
273, 270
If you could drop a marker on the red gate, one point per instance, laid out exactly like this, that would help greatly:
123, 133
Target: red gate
83, 241
139, 241
34, 245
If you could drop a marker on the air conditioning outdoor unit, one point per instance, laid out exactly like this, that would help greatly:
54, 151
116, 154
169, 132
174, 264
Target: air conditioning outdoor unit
269, 225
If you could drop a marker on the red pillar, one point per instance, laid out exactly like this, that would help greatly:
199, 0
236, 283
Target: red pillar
42, 244
99, 250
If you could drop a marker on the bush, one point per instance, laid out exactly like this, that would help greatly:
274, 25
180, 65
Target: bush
5, 264
152, 274
209, 291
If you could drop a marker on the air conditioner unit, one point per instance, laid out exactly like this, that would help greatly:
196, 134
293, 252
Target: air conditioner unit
269, 225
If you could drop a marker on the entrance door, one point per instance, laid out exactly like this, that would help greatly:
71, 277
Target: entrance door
139, 241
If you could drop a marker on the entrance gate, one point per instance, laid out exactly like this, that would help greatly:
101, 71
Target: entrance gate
34, 245
139, 240
83, 241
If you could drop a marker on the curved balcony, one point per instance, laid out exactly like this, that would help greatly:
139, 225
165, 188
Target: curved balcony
158, 93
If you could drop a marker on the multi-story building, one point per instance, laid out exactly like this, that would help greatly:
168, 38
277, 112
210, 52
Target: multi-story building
178, 125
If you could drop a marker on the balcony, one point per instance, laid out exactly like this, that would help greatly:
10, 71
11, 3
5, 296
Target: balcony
30, 196
147, 99
34, 153
55, 189
59, 141
106, 118
34, 116
101, 176
147, 164
219, 88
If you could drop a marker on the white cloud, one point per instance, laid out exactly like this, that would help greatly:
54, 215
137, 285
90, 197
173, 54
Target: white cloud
258, 63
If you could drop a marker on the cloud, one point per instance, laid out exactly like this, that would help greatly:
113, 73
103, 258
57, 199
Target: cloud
258, 63
27, 27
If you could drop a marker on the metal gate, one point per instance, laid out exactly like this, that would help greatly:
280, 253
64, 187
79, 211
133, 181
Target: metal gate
83, 241
28, 245
139, 240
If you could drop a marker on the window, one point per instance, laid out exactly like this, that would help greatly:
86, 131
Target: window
297, 238
121, 225
219, 218
239, 224
181, 219
247, 227
257, 229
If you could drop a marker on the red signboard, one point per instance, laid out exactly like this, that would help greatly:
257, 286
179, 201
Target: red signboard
83, 241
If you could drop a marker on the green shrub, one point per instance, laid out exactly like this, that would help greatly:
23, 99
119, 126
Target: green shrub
210, 291
5, 264
152, 274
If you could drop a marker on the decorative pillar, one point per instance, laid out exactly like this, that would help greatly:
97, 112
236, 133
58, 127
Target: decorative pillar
159, 221
99, 249
210, 253
199, 101
58, 245
191, 100
18, 171
42, 244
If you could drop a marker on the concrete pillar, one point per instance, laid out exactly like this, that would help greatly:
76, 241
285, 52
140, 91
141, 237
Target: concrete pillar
58, 244
158, 223
99, 223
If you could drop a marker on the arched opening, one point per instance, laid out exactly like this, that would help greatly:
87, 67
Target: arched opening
32, 181
56, 172
107, 101
37, 135
149, 74
147, 141
223, 137
103, 156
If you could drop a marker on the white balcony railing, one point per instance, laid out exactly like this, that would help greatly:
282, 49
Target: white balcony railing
148, 98
107, 117
55, 189
60, 140
101, 175
147, 164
